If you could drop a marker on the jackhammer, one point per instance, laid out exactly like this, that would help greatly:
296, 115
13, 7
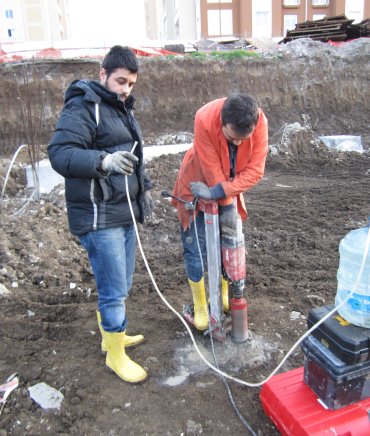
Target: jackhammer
234, 270
225, 258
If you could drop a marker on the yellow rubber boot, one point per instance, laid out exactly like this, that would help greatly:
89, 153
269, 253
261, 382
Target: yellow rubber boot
200, 304
225, 295
130, 341
118, 361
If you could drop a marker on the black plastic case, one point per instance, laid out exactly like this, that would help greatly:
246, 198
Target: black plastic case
345, 340
332, 380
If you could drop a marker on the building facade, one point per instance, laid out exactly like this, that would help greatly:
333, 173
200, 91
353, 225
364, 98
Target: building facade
271, 18
33, 20
172, 19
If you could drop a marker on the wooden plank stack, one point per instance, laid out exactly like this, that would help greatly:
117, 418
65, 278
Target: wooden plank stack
337, 28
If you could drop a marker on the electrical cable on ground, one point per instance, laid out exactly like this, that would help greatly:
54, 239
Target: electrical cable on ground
229, 393
10, 167
242, 382
30, 198
218, 371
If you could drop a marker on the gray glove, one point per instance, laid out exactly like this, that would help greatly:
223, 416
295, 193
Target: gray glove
228, 219
119, 162
148, 204
201, 190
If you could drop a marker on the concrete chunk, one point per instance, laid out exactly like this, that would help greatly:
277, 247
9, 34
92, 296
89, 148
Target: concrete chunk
46, 396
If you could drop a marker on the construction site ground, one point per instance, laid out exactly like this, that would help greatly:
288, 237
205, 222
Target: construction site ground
308, 200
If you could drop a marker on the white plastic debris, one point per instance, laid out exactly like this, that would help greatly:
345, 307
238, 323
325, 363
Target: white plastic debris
46, 396
158, 150
48, 178
350, 146
7, 388
343, 142
4, 290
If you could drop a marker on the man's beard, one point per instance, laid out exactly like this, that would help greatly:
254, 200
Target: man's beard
121, 97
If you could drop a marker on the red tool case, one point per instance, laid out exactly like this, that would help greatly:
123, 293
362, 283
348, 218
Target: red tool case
295, 410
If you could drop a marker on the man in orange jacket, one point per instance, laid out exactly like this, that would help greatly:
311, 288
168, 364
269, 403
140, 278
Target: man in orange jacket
227, 158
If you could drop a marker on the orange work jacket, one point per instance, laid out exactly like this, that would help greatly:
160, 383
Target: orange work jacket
208, 161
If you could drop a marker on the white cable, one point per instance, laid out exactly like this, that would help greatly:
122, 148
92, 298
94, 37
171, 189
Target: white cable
29, 199
6, 182
218, 371
10, 167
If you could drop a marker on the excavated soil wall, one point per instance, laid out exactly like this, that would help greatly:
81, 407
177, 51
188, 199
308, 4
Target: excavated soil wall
323, 86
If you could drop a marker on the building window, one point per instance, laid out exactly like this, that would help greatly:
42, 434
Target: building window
290, 3
289, 22
11, 33
9, 13
218, 1
261, 18
355, 10
320, 3
318, 16
220, 22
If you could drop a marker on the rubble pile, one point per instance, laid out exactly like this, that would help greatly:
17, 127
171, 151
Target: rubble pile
226, 44
337, 28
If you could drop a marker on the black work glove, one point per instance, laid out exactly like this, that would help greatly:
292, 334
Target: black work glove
148, 204
201, 190
121, 162
228, 219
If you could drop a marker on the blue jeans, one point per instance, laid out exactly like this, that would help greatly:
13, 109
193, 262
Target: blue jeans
112, 257
192, 259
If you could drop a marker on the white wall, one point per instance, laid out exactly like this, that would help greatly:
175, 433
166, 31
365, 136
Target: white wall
355, 10
262, 18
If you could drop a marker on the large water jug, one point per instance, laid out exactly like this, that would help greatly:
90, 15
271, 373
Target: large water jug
351, 253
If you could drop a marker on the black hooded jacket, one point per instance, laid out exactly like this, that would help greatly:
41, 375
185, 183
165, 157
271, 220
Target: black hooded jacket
93, 123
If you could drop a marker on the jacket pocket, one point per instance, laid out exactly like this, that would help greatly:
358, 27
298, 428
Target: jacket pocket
118, 185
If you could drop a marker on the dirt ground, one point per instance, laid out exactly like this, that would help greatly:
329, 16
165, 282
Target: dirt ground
308, 200
297, 216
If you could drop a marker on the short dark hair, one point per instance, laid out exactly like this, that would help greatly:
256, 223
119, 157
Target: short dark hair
120, 57
241, 111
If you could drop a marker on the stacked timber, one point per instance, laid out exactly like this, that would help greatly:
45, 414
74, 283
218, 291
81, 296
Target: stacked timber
337, 28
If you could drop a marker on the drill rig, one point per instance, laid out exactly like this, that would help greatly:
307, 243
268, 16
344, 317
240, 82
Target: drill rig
225, 258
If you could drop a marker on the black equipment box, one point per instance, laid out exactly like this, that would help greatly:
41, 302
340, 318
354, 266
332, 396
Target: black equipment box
347, 341
332, 380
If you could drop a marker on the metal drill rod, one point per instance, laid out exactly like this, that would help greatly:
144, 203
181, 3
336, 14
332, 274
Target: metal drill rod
188, 204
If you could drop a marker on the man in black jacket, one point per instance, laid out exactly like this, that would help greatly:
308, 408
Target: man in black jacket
92, 147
